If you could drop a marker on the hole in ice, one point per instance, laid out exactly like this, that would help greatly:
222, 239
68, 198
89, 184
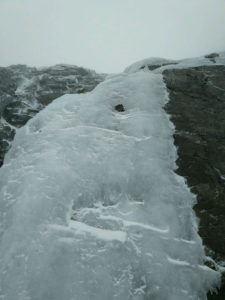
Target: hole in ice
119, 108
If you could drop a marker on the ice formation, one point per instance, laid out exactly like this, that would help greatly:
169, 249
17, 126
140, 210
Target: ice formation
91, 208
219, 59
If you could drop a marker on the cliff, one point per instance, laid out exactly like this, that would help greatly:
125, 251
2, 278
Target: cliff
196, 106
197, 109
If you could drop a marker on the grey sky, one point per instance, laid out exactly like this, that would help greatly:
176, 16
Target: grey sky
108, 35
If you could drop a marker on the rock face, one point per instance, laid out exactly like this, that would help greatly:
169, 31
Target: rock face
24, 91
197, 109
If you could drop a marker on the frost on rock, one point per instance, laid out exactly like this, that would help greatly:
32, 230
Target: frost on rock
91, 207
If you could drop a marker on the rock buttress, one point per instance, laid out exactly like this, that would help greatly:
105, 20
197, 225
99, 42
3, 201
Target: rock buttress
197, 109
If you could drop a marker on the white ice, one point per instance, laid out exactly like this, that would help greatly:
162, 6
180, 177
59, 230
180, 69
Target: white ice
175, 64
90, 206
148, 62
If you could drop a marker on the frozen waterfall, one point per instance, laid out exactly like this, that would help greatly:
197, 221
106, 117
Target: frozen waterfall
90, 206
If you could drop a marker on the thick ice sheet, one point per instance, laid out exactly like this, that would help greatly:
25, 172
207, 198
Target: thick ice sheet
90, 206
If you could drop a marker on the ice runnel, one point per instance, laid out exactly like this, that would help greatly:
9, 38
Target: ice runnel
90, 206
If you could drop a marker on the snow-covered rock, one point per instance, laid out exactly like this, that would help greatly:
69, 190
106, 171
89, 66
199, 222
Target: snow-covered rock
158, 65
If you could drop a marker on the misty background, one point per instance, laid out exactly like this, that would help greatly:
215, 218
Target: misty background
108, 35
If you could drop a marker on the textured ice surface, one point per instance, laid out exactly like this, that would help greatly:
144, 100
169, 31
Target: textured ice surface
152, 61
90, 208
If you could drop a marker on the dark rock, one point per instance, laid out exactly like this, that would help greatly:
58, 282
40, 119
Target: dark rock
156, 66
197, 108
212, 56
7, 84
17, 113
7, 134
